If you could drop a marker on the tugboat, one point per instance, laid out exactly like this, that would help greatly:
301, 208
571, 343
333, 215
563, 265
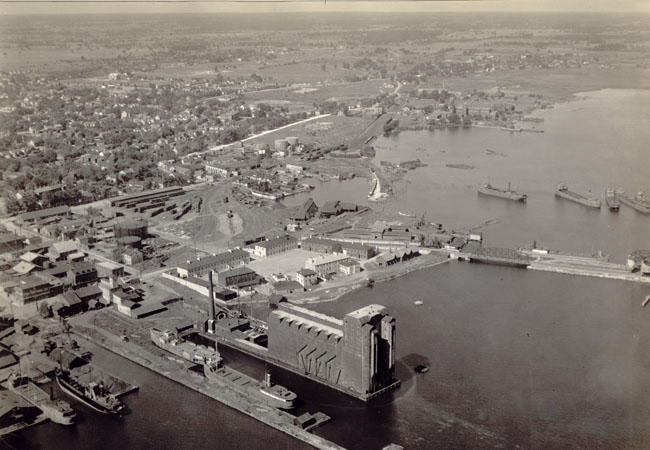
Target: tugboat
563, 192
508, 194
92, 394
612, 202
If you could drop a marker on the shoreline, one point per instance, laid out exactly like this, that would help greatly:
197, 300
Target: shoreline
378, 276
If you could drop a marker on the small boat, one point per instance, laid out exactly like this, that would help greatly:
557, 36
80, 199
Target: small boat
646, 301
410, 214
418, 302
421, 369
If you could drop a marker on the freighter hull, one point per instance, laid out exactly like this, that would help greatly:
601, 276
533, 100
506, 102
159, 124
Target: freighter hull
563, 192
275, 396
75, 392
502, 194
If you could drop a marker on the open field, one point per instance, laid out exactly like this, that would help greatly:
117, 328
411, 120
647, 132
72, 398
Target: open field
329, 131
333, 92
288, 262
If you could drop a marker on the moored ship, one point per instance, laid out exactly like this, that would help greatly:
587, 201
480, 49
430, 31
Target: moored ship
92, 394
271, 394
612, 202
639, 202
179, 346
57, 411
563, 192
508, 194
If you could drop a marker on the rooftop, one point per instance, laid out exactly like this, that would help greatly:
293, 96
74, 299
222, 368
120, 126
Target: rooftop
213, 259
367, 312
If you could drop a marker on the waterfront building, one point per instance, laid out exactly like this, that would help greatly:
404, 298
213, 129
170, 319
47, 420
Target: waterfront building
325, 265
304, 212
307, 277
217, 263
275, 246
355, 355
329, 209
349, 267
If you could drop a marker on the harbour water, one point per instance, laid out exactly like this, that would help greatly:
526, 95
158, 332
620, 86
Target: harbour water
517, 358
594, 142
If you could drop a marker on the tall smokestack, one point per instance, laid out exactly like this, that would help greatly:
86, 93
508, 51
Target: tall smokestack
212, 313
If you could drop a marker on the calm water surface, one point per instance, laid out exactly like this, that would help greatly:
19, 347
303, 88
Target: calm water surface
519, 359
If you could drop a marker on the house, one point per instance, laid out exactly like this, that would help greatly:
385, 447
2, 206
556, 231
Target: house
59, 251
132, 256
275, 246
306, 277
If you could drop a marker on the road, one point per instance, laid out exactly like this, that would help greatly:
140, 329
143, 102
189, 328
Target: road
263, 133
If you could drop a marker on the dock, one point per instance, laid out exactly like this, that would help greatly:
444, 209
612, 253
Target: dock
177, 370
500, 256
12, 405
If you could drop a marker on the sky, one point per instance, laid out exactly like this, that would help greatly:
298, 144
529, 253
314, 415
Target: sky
244, 6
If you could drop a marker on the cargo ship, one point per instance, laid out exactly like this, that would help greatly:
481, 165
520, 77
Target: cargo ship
612, 202
271, 394
508, 194
563, 192
92, 394
179, 346
639, 202
57, 411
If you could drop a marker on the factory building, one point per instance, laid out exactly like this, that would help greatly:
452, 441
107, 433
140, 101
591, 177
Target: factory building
218, 263
159, 195
355, 355
274, 246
